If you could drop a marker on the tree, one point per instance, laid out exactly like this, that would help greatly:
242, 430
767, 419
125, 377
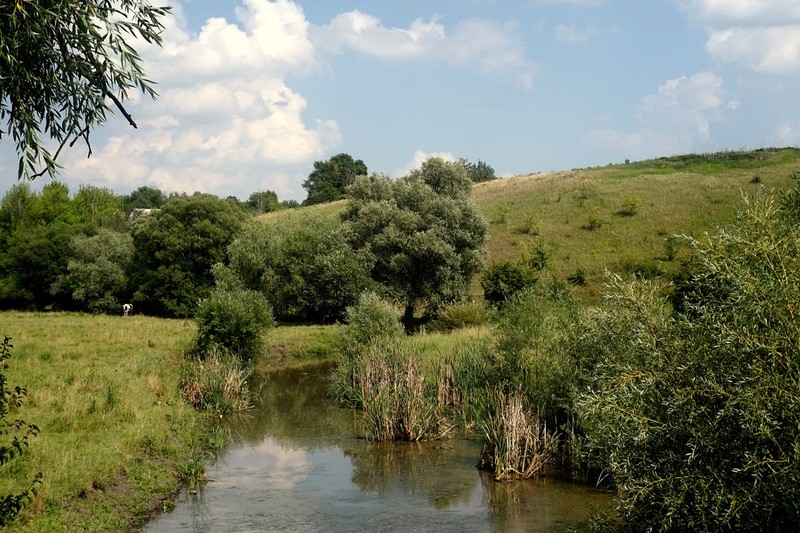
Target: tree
479, 171
143, 198
95, 275
330, 178
305, 268
174, 250
423, 235
98, 206
72, 63
263, 202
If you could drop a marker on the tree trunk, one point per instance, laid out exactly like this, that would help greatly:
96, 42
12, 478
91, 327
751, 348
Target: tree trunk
408, 318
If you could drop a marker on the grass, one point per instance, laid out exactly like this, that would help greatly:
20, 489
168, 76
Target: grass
113, 426
615, 218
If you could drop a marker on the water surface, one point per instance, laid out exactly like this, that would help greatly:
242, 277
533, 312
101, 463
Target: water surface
296, 464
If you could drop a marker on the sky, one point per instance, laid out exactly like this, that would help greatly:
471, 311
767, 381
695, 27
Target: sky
253, 92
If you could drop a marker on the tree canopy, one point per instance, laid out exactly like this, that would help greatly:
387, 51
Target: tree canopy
175, 249
71, 63
424, 236
330, 178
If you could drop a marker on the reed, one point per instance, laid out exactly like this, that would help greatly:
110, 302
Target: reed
399, 403
517, 444
217, 383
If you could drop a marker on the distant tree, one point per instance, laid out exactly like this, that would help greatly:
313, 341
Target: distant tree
66, 65
96, 270
263, 202
289, 204
423, 235
35, 258
98, 206
174, 250
306, 269
330, 178
479, 171
143, 198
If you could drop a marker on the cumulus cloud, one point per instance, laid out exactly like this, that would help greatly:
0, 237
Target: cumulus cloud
762, 36
677, 117
489, 46
418, 158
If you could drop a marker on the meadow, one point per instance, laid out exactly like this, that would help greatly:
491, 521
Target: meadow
114, 430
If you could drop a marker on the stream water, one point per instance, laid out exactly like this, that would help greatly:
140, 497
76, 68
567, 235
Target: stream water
296, 464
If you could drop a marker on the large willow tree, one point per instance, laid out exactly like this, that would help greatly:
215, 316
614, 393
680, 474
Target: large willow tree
64, 65
423, 235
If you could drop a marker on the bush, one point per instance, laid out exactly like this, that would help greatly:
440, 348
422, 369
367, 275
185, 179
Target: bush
459, 315
232, 321
217, 383
696, 415
11, 399
372, 319
502, 280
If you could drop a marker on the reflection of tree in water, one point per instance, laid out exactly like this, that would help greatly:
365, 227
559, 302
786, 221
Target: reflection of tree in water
293, 407
556, 503
394, 467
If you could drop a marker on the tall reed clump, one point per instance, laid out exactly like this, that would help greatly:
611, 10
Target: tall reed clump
384, 378
517, 443
519, 390
216, 383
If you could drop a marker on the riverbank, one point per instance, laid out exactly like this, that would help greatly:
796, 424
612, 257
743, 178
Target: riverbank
114, 430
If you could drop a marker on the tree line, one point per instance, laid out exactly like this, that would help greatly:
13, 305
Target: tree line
418, 238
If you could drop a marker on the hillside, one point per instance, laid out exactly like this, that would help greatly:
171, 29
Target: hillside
618, 218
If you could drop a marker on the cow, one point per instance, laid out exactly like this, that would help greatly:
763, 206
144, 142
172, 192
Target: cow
126, 309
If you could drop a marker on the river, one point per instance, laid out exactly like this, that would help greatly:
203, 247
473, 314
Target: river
295, 464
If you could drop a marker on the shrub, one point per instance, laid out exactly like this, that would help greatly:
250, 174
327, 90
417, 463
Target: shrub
459, 315
232, 321
372, 319
11, 399
502, 280
696, 415
630, 206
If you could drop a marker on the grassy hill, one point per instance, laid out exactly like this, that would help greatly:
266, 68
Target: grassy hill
618, 218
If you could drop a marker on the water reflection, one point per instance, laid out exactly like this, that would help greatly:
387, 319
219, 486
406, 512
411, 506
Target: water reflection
296, 465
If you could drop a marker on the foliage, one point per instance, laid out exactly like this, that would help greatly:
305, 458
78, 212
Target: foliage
263, 202
458, 315
305, 270
329, 179
20, 431
695, 416
372, 321
630, 206
35, 258
502, 280
216, 383
96, 271
174, 250
143, 198
71, 60
479, 171
232, 321
423, 235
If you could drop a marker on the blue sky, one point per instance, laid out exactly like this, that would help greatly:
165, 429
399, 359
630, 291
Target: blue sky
254, 91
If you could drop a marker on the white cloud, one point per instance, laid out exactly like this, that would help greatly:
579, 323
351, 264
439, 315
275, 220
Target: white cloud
763, 36
742, 12
418, 158
493, 47
772, 50
676, 118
